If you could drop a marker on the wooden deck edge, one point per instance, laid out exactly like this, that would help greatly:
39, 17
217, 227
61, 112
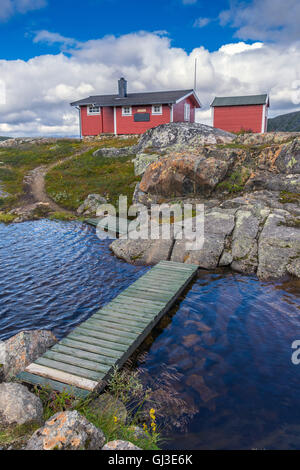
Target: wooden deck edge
63, 377
38, 380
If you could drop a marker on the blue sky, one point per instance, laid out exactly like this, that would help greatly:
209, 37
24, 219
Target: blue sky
57, 51
96, 18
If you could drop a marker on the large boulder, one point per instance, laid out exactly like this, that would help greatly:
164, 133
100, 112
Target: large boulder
120, 445
18, 406
244, 242
185, 175
180, 135
91, 205
279, 247
23, 349
142, 252
217, 226
67, 431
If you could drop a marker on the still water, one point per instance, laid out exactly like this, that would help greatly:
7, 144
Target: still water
225, 348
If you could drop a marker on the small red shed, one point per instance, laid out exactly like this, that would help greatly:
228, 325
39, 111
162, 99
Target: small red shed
236, 113
134, 113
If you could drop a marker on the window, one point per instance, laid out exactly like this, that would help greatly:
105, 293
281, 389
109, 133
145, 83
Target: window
93, 110
157, 109
126, 111
187, 112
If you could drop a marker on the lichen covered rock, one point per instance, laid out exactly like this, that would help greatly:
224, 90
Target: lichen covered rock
23, 349
91, 205
120, 445
67, 431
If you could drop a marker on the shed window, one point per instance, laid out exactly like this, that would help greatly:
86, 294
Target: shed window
157, 109
126, 111
187, 112
93, 110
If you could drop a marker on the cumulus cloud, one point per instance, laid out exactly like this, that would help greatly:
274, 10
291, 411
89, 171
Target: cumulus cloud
264, 19
38, 91
11, 7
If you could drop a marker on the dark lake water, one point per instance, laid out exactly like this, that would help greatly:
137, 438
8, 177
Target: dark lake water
228, 340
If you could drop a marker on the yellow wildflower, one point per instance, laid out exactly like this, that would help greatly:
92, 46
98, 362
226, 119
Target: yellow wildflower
115, 419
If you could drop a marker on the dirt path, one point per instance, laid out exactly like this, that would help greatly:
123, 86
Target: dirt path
34, 183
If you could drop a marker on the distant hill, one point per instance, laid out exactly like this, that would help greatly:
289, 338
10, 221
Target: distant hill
285, 123
3, 138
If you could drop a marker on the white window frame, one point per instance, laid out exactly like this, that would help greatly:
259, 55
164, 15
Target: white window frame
93, 113
157, 113
126, 107
187, 112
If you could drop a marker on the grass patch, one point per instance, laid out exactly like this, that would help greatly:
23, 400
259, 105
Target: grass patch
64, 216
7, 218
70, 183
236, 181
287, 197
124, 386
16, 436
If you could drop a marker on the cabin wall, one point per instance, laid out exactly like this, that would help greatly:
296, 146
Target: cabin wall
90, 125
236, 118
127, 125
178, 110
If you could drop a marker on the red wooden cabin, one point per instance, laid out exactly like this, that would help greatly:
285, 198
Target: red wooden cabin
134, 113
237, 113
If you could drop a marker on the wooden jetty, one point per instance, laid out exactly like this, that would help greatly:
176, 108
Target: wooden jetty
103, 223
84, 360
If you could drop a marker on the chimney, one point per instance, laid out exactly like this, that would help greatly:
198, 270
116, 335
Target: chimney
122, 87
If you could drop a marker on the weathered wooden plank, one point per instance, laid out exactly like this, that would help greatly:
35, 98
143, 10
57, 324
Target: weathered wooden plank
91, 356
53, 384
76, 361
119, 326
115, 316
62, 377
74, 370
103, 336
118, 334
133, 308
80, 346
91, 340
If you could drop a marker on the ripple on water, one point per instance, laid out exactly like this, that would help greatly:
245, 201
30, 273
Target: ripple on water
229, 338
54, 275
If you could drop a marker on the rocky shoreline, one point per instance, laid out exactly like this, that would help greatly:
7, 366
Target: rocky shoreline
22, 412
249, 185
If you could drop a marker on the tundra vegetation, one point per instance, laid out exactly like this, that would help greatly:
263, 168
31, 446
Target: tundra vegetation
129, 414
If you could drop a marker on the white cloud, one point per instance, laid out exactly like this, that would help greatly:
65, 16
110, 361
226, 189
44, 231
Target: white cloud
264, 19
53, 38
38, 91
11, 7
202, 22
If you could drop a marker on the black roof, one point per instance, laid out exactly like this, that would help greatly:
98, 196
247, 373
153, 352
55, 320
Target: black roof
139, 99
239, 100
